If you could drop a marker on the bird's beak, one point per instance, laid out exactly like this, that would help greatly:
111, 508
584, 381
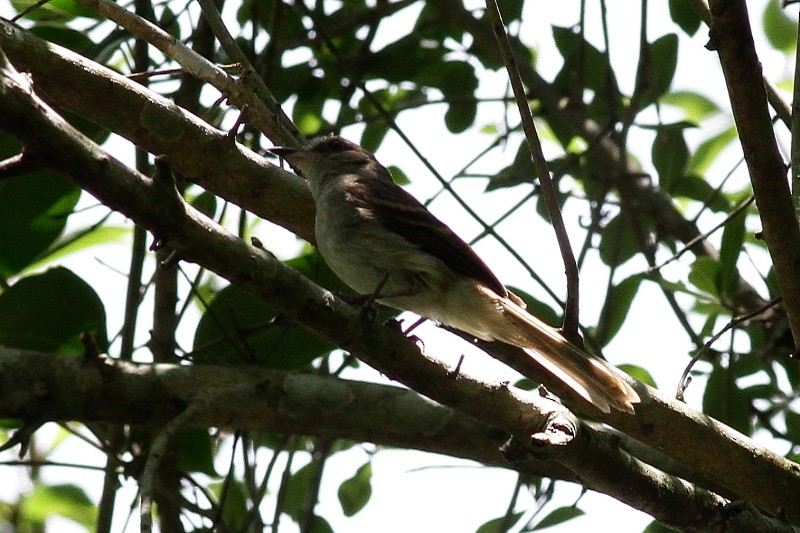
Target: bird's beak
292, 155
283, 151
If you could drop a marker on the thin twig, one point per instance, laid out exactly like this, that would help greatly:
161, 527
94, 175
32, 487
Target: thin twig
774, 96
147, 481
571, 311
741, 207
387, 116
214, 19
685, 377
271, 121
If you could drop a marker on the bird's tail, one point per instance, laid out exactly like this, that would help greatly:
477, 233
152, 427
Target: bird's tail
590, 377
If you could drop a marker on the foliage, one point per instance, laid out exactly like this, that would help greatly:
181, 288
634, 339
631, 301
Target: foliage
645, 169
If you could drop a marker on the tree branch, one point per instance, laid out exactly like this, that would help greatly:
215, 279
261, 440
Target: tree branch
572, 308
114, 391
639, 192
263, 111
731, 36
659, 422
201, 154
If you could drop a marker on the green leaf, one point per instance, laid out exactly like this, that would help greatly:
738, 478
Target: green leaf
685, 15
616, 308
710, 323
510, 9
297, 489
373, 135
389, 100
33, 212
206, 203
75, 40
238, 328
499, 524
290, 79
558, 516
70, 244
793, 426
655, 526
264, 13
762, 392
458, 83
398, 175
709, 150
433, 24
320, 525
695, 105
405, 59
48, 312
695, 187
234, 511
167, 21
538, 308
663, 60
585, 67
724, 401
65, 500
55, 10
670, 154
780, 29
731, 248
640, 374
354, 493
704, 274
521, 170
195, 453
678, 286
460, 116
618, 241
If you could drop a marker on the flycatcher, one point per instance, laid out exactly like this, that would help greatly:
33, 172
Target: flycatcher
377, 237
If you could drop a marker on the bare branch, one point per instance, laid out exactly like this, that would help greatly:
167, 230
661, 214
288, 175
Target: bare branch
270, 119
659, 422
200, 153
733, 40
572, 309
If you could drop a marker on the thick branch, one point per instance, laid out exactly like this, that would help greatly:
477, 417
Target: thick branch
200, 153
105, 390
264, 112
733, 39
665, 424
250, 398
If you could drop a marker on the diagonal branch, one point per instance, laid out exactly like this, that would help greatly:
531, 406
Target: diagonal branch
640, 192
200, 153
572, 310
263, 111
662, 423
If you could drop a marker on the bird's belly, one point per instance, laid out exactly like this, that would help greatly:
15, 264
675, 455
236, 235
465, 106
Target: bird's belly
371, 260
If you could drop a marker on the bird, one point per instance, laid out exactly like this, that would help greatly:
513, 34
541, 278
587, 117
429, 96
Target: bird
380, 240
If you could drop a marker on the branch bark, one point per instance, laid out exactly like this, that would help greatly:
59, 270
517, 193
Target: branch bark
201, 154
732, 37
91, 389
770, 481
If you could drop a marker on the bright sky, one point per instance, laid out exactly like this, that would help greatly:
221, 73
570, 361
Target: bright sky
414, 491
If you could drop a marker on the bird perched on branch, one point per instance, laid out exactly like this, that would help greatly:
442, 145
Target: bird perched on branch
380, 240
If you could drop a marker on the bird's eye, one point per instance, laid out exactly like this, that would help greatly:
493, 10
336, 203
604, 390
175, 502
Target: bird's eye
336, 145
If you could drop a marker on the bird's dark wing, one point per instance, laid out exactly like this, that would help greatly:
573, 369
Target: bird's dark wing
403, 214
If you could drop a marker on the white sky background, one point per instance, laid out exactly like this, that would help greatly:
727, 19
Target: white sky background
414, 491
